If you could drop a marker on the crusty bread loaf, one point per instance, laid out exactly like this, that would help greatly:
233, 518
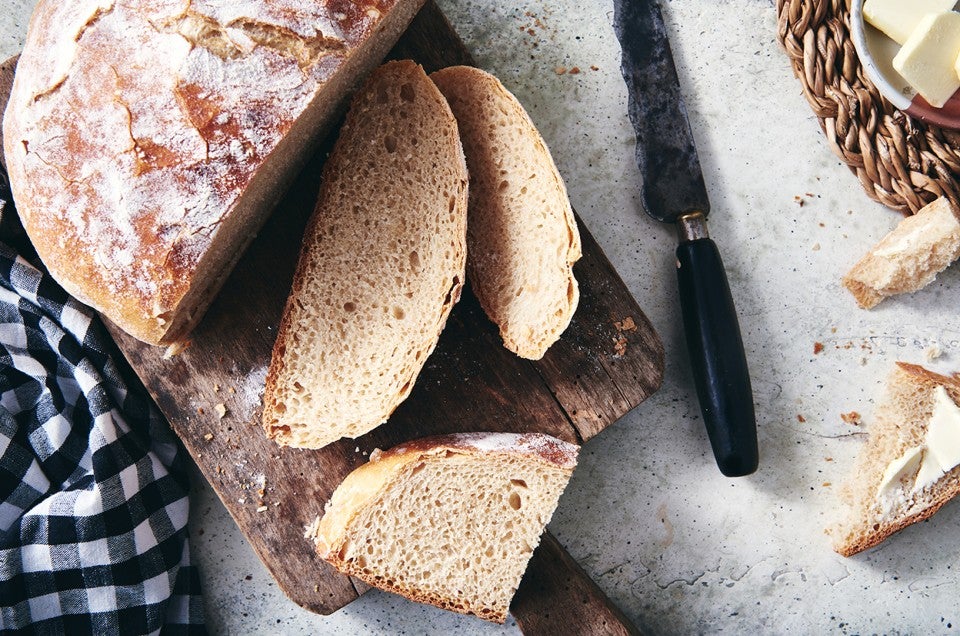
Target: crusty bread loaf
522, 236
450, 520
382, 265
900, 426
908, 258
147, 141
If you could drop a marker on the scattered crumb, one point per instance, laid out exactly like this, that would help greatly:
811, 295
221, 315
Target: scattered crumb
852, 418
262, 509
575, 70
208, 436
827, 484
816, 247
175, 349
200, 410
232, 390
219, 469
316, 588
626, 324
801, 418
799, 200
932, 353
822, 224
828, 459
833, 330
817, 347
241, 500
594, 67
619, 346
216, 388
810, 194
276, 503
356, 450
560, 70
375, 454
221, 410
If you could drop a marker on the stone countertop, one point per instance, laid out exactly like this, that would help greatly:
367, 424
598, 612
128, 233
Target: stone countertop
679, 547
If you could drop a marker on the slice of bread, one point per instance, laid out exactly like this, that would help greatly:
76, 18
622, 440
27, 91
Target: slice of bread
885, 492
908, 258
381, 266
147, 142
522, 236
449, 520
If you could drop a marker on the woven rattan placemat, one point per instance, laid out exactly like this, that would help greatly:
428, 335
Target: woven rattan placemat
900, 161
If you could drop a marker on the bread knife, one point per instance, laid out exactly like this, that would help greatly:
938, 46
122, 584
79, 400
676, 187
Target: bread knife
673, 191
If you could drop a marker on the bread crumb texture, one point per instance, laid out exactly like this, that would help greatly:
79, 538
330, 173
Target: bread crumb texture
522, 235
135, 128
899, 423
382, 265
450, 521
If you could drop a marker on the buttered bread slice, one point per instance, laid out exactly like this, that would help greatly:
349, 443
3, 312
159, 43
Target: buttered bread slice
381, 266
522, 237
910, 465
449, 520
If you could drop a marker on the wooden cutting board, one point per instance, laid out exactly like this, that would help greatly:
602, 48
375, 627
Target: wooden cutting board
608, 361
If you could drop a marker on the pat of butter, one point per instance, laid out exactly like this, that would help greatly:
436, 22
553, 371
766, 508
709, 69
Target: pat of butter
929, 473
898, 18
905, 465
929, 56
943, 432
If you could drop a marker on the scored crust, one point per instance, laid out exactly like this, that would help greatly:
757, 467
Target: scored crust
901, 420
147, 141
369, 484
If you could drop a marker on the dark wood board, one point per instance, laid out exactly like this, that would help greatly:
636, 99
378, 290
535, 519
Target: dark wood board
599, 370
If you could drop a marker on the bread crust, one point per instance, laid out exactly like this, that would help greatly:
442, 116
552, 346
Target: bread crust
147, 141
365, 484
947, 486
346, 161
522, 236
909, 257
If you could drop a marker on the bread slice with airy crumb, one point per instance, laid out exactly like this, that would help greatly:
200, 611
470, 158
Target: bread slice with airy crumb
522, 237
381, 266
908, 258
449, 520
889, 489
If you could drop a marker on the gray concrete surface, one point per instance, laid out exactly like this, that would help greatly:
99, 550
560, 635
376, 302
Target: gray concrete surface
675, 544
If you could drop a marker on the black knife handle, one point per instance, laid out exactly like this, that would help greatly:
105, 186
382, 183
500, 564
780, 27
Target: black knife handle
717, 357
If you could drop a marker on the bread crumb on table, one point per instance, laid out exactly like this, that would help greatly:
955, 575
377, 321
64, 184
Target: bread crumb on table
627, 324
619, 346
852, 418
560, 70
208, 436
801, 418
221, 410
262, 509
817, 347
932, 353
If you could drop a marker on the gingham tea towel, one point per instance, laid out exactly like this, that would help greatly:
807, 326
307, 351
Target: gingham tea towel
93, 488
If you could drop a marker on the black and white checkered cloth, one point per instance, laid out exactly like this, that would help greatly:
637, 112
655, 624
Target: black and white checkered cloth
93, 488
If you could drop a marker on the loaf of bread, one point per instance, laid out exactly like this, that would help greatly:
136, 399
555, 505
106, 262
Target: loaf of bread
522, 236
910, 465
450, 520
908, 258
147, 141
382, 265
